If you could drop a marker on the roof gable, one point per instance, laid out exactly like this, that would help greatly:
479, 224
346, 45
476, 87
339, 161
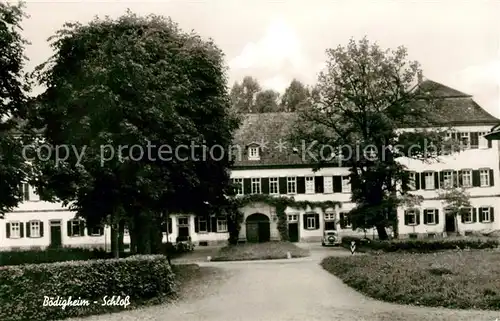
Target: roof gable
440, 90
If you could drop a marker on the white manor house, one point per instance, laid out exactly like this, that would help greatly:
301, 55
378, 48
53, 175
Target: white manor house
276, 170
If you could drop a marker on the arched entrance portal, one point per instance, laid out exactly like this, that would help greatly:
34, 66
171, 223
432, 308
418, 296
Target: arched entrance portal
258, 228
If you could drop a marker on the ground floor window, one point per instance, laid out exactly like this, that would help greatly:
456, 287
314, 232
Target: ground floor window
221, 225
14, 230
34, 229
467, 215
311, 221
484, 214
412, 217
431, 216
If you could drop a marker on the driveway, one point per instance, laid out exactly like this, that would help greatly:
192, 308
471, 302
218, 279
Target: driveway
297, 289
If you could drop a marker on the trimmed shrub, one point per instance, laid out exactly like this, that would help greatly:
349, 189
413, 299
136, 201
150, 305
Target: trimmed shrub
419, 246
24, 288
52, 255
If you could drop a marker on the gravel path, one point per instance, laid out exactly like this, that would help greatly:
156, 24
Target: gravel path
297, 289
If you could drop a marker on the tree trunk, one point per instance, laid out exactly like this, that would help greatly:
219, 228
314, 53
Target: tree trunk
114, 236
382, 233
133, 239
156, 235
121, 233
143, 227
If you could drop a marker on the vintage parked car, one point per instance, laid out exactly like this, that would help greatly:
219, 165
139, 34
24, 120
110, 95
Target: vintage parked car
184, 244
330, 238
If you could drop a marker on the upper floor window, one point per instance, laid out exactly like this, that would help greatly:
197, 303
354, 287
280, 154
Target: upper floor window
255, 187
273, 185
483, 142
25, 191
412, 181
291, 185
239, 185
429, 180
328, 184
484, 177
253, 153
310, 185
465, 176
447, 179
346, 185
465, 140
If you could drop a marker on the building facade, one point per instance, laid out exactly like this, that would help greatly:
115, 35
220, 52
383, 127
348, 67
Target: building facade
266, 165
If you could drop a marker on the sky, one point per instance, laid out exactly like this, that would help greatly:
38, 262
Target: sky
456, 42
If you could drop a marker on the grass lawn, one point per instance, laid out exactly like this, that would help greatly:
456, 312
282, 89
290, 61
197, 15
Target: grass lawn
259, 251
464, 280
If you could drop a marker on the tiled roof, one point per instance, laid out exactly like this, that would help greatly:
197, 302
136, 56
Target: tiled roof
440, 90
267, 128
457, 109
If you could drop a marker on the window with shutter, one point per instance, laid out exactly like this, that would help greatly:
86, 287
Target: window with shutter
346, 184
484, 214
466, 214
221, 225
412, 181
428, 182
482, 142
484, 177
411, 217
33, 229
310, 187
274, 185
256, 186
328, 184
311, 222
74, 228
15, 230
291, 185
465, 178
430, 216
447, 179
202, 224
238, 182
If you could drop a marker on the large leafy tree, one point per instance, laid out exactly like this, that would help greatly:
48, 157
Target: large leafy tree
114, 84
13, 104
295, 95
266, 101
244, 94
362, 103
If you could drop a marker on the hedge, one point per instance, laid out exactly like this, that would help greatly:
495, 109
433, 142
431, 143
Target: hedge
23, 288
419, 246
52, 255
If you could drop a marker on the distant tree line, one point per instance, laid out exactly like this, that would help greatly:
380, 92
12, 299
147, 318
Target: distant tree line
248, 96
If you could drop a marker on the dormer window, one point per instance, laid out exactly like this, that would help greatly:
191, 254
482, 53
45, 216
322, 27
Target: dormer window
253, 153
